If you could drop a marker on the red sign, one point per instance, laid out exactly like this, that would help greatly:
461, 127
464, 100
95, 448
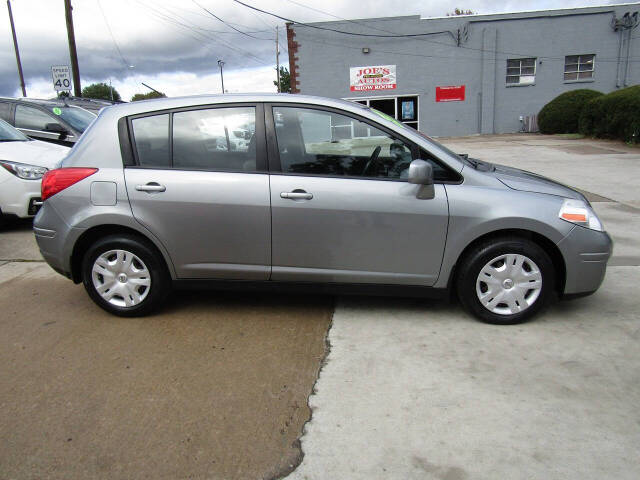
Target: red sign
453, 93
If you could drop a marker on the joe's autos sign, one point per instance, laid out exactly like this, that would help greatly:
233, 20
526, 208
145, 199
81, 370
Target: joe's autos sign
381, 77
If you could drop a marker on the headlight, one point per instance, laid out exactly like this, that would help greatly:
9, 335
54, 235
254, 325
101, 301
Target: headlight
578, 212
24, 171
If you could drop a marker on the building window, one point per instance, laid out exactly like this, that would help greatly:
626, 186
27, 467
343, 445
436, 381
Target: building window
403, 109
578, 67
521, 71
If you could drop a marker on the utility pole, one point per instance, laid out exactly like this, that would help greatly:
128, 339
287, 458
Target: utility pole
77, 90
15, 46
221, 64
278, 59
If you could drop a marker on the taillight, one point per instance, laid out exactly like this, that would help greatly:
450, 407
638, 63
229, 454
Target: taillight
55, 181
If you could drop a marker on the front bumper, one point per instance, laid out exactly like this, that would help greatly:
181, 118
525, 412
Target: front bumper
19, 197
585, 253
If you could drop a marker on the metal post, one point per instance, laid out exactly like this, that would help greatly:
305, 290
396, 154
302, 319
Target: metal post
278, 59
221, 64
153, 89
77, 90
15, 46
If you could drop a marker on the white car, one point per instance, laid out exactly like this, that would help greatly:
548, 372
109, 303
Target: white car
23, 162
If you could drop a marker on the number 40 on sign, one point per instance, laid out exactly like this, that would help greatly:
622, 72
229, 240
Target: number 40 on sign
61, 75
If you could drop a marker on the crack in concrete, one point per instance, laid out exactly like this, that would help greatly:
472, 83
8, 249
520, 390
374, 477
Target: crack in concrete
297, 444
20, 260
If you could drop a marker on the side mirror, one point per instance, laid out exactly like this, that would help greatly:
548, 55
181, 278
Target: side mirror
420, 173
56, 128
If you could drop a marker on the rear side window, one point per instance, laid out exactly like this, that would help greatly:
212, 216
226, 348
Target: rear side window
32, 118
151, 136
5, 112
221, 139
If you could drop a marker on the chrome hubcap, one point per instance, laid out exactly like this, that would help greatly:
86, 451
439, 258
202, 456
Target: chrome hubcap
509, 284
121, 278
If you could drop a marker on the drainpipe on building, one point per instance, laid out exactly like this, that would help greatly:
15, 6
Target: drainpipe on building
626, 65
619, 58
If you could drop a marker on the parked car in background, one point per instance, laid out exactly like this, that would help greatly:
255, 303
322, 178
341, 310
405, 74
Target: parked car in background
52, 121
326, 195
94, 105
23, 162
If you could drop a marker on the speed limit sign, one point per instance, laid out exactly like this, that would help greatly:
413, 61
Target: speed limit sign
61, 75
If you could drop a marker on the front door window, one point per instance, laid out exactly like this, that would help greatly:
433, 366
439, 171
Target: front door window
317, 142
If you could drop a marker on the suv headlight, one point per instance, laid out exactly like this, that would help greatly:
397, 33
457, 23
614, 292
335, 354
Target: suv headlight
580, 213
24, 171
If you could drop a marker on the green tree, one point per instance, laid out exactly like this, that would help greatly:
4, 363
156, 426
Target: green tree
460, 11
147, 96
63, 93
285, 80
100, 91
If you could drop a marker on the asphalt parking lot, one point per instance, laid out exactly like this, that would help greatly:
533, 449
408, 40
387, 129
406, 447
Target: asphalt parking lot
218, 385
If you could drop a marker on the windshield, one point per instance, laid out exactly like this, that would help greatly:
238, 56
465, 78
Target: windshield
10, 134
77, 117
413, 130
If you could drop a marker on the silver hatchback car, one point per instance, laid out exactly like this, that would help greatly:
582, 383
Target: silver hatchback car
289, 191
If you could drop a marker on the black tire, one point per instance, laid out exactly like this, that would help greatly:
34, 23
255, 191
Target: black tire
160, 280
477, 258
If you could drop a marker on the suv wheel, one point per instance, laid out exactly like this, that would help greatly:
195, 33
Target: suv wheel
506, 281
125, 276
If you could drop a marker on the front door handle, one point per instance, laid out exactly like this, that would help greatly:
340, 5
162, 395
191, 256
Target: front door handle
151, 187
297, 195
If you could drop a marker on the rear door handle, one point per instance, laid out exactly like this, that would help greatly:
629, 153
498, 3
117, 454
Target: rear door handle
151, 187
297, 195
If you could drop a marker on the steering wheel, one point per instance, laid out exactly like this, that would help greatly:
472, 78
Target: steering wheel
372, 159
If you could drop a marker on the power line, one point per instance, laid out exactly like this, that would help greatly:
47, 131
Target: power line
191, 30
407, 35
127, 64
227, 24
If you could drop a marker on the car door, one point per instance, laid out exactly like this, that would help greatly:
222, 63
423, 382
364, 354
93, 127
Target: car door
199, 184
342, 210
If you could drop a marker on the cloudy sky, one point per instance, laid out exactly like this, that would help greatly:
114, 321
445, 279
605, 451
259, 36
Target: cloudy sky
174, 45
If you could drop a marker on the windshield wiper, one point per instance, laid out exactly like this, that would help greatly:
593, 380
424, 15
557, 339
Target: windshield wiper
465, 156
11, 140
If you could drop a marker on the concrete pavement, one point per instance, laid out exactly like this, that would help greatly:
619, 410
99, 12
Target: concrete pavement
420, 390
417, 389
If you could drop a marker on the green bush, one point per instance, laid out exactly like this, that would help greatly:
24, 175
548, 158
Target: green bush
561, 114
615, 115
588, 123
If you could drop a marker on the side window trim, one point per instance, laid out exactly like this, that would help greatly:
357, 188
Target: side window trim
275, 167
129, 144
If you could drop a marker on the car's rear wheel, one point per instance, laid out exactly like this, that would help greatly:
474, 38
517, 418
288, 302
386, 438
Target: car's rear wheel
506, 281
125, 275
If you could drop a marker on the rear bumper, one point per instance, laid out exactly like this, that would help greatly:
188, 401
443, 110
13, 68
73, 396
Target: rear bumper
586, 253
55, 239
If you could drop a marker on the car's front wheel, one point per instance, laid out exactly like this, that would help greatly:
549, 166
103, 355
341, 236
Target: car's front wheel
125, 275
506, 281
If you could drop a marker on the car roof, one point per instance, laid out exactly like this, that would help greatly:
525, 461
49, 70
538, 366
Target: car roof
156, 104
